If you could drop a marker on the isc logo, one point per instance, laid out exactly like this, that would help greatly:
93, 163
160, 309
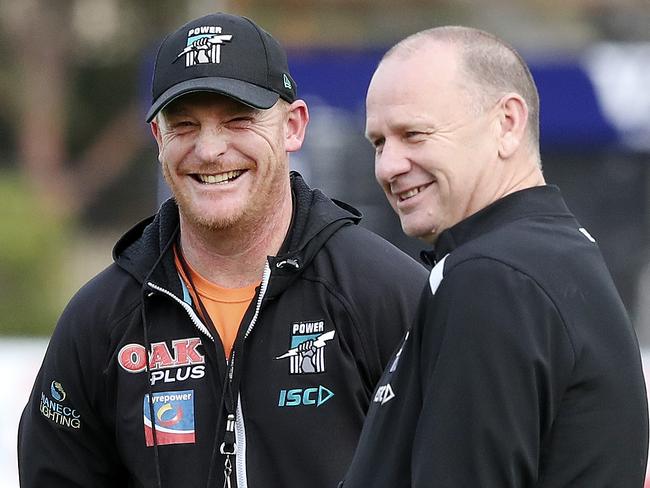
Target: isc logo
308, 396
384, 393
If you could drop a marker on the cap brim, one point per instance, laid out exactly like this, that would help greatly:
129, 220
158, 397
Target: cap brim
246, 93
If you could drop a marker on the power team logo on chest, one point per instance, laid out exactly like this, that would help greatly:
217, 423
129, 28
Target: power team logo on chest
306, 353
182, 362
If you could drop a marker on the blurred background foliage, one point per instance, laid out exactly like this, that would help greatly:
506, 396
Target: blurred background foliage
78, 166
31, 246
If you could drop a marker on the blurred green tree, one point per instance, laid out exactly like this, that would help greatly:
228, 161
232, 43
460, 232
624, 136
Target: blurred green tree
71, 125
31, 244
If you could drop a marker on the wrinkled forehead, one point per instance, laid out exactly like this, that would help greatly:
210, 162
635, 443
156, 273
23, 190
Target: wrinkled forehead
422, 89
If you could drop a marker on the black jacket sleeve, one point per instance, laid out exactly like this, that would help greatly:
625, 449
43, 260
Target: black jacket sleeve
382, 288
63, 439
494, 352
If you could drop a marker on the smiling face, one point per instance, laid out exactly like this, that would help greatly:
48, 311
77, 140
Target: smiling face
227, 163
436, 154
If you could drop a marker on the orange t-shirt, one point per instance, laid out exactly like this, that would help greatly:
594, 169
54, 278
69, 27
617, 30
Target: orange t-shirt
226, 306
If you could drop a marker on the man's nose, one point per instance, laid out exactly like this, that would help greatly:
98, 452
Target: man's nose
391, 162
211, 144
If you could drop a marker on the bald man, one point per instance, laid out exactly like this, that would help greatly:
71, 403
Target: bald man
522, 368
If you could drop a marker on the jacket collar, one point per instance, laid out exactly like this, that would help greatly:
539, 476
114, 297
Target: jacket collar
315, 219
145, 250
530, 202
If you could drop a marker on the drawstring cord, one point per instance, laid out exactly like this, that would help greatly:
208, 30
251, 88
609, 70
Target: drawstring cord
147, 347
215, 450
151, 409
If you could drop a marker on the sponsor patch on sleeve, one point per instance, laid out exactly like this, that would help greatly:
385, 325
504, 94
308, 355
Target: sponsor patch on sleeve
55, 407
173, 413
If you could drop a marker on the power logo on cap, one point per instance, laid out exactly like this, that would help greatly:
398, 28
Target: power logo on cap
204, 46
173, 417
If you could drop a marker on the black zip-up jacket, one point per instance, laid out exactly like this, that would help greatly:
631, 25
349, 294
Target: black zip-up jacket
330, 311
522, 369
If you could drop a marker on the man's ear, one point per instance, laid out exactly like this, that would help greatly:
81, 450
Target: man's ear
296, 125
513, 120
155, 130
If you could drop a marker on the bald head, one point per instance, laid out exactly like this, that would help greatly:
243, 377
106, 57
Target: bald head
447, 112
488, 68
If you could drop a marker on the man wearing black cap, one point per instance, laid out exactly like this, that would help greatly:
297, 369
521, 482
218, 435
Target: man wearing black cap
239, 334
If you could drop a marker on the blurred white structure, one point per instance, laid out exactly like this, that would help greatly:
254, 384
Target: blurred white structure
19, 363
20, 360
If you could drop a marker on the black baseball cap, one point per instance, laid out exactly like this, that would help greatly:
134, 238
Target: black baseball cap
224, 54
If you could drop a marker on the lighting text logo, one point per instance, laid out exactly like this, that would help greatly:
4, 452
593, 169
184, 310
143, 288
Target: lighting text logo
57, 412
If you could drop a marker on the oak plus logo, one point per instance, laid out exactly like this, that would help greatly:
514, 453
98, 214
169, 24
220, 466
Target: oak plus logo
204, 45
182, 362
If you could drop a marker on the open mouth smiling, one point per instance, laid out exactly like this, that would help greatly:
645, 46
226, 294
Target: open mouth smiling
219, 178
411, 193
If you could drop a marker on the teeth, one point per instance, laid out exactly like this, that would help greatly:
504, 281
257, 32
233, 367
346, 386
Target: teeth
411, 193
219, 178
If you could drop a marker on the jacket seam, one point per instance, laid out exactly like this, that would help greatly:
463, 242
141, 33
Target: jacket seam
349, 310
112, 323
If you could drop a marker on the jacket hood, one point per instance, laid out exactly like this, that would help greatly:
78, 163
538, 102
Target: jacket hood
142, 249
145, 250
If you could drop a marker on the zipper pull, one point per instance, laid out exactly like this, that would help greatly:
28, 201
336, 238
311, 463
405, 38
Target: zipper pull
227, 471
228, 448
